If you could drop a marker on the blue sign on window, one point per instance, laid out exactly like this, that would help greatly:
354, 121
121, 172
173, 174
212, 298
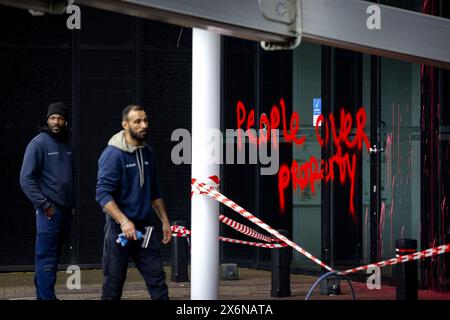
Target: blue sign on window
317, 109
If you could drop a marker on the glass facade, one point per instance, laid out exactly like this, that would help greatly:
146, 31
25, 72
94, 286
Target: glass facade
400, 162
392, 94
306, 223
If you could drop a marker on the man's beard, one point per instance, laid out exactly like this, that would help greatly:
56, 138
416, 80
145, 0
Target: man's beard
141, 137
57, 132
61, 135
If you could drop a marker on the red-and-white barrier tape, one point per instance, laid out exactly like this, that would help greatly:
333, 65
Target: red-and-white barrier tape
254, 244
233, 224
204, 188
402, 259
180, 231
209, 190
245, 230
214, 182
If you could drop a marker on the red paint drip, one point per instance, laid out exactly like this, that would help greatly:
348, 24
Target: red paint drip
380, 230
447, 155
391, 211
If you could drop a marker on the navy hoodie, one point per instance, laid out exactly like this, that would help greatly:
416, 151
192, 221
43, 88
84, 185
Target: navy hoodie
127, 175
46, 176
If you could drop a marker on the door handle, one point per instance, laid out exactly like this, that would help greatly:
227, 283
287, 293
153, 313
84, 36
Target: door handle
375, 150
381, 138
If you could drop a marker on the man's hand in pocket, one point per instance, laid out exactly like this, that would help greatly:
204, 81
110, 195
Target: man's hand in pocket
50, 212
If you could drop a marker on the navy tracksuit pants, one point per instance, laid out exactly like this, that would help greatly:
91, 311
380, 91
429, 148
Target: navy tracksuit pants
50, 235
115, 263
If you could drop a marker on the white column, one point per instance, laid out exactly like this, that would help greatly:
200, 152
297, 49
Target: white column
204, 210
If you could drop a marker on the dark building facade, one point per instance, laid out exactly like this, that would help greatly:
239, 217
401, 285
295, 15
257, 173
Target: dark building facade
113, 61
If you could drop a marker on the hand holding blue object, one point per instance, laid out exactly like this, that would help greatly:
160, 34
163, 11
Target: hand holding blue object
123, 240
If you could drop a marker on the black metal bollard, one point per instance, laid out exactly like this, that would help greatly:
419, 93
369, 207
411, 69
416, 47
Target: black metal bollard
406, 273
281, 270
229, 271
179, 257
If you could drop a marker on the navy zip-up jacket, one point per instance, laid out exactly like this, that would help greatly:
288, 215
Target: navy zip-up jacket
46, 176
127, 175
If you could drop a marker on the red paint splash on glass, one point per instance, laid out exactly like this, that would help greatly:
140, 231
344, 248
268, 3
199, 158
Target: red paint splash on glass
380, 229
447, 156
366, 225
391, 211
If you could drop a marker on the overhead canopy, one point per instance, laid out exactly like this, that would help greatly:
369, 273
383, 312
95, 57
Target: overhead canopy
405, 35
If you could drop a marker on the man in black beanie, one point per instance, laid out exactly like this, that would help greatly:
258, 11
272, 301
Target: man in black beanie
46, 179
58, 108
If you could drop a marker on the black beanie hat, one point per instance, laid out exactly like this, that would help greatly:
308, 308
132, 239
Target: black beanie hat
58, 108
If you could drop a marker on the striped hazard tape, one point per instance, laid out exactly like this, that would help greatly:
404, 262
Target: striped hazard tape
233, 224
214, 182
245, 230
204, 188
180, 231
254, 244
402, 259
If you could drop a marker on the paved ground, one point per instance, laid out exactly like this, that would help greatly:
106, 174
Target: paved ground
252, 285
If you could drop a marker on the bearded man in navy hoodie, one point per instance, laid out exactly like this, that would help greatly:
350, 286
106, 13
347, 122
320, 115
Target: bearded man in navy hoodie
46, 179
129, 194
